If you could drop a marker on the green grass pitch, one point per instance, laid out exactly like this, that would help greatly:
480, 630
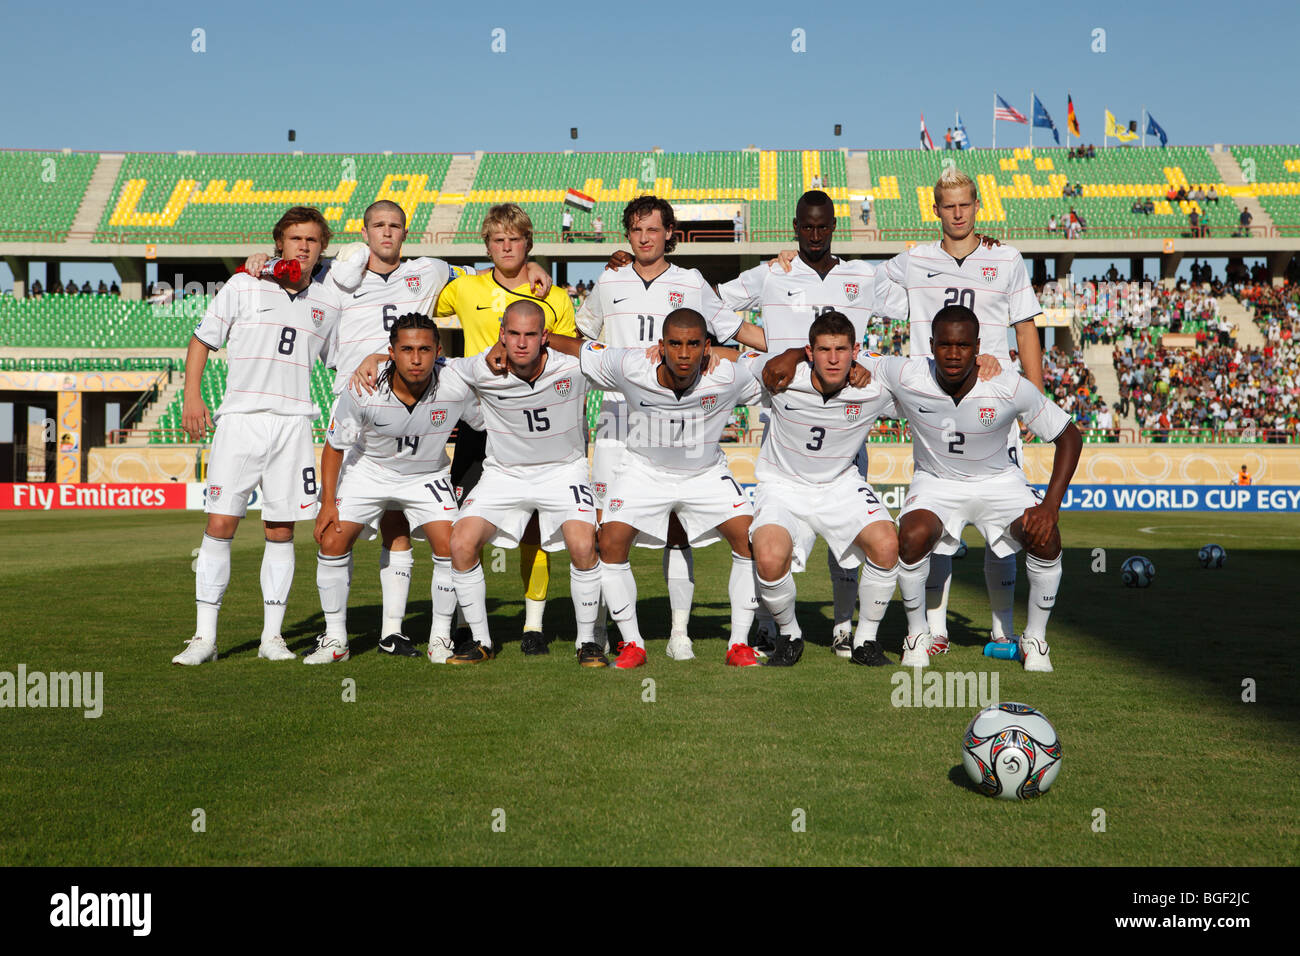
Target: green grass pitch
576, 766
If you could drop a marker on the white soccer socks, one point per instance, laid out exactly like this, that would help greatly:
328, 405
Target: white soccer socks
395, 584
471, 595
1044, 581
875, 591
844, 588
584, 587
679, 573
778, 597
620, 594
937, 584
211, 578
444, 599
1000, 579
911, 582
333, 580
742, 588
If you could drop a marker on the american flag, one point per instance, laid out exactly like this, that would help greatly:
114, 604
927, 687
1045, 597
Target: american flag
1008, 113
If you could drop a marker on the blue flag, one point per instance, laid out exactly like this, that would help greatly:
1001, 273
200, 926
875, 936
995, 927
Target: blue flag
959, 134
1154, 129
1042, 119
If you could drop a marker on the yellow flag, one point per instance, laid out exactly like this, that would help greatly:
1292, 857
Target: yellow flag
1115, 131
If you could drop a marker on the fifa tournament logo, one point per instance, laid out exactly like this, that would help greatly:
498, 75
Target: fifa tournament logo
853, 412
563, 386
709, 402
851, 291
438, 416
987, 417
990, 273
317, 317
413, 283
675, 299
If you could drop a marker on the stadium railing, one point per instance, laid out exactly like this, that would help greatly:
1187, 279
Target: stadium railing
1218, 436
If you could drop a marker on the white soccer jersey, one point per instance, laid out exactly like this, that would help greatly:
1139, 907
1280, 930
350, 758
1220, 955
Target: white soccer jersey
530, 423
624, 310
992, 283
791, 300
966, 440
407, 441
371, 309
675, 432
272, 339
813, 437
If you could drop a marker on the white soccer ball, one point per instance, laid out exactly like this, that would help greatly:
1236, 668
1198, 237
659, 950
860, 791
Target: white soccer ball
1137, 572
1011, 751
1212, 556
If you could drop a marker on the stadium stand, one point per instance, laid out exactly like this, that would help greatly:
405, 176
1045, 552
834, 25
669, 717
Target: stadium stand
96, 322
40, 193
1276, 170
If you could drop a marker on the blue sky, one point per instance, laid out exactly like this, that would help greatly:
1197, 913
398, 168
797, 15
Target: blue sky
684, 76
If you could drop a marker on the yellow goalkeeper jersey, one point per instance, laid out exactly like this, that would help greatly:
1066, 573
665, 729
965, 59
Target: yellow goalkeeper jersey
479, 301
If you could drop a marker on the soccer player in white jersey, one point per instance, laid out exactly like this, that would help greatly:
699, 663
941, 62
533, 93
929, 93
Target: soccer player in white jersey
536, 424
386, 451
991, 281
626, 309
964, 474
377, 286
273, 334
816, 283
673, 465
809, 484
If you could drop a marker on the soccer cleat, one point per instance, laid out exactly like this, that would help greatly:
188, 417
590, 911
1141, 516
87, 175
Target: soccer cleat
916, 650
440, 650
198, 652
938, 644
473, 654
631, 655
787, 652
533, 644
275, 649
842, 641
741, 655
463, 639
399, 645
869, 654
679, 647
590, 655
1036, 654
328, 650
764, 642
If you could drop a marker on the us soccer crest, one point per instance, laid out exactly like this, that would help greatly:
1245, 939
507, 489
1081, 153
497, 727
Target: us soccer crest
853, 412
438, 415
563, 385
601, 488
413, 283
317, 317
850, 291
214, 492
675, 299
990, 273
709, 402
987, 417
615, 504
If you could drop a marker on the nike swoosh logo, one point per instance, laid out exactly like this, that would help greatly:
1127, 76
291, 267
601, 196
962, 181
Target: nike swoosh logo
647, 405
338, 656
447, 508
308, 505
737, 504
931, 275
923, 411
617, 301
792, 293
357, 295
613, 613
387, 645
788, 408
381, 424
271, 309
584, 511
480, 307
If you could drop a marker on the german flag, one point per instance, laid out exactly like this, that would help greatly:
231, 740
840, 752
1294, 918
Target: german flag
1071, 121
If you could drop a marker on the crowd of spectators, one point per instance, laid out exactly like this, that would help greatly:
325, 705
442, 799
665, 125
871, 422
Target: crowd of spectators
70, 288
1082, 152
1069, 382
1108, 311
1070, 225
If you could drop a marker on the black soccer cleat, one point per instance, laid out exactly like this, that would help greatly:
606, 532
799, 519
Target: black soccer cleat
474, 653
399, 645
462, 640
534, 644
869, 654
787, 652
590, 655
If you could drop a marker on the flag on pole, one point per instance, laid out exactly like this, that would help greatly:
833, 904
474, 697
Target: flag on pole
1121, 133
1071, 121
579, 200
926, 141
1155, 129
959, 134
1041, 118
1008, 113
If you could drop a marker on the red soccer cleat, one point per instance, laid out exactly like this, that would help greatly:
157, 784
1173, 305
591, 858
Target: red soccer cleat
741, 655
632, 655
938, 644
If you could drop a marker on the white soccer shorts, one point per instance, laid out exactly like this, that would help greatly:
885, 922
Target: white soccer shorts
611, 448
992, 505
367, 489
837, 511
261, 448
644, 496
558, 493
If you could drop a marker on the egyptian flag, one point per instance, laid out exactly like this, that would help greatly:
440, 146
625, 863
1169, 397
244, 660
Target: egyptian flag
1071, 121
926, 141
579, 200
